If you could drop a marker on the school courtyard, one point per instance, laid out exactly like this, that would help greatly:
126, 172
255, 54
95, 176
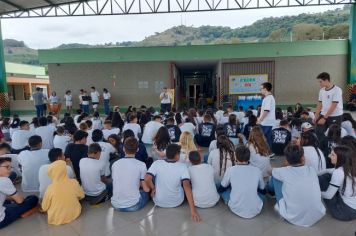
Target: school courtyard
155, 221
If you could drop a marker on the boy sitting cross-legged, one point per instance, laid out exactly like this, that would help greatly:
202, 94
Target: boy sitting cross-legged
169, 176
128, 175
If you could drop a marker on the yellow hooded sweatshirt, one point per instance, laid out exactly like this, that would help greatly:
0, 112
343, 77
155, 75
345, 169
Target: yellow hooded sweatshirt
61, 199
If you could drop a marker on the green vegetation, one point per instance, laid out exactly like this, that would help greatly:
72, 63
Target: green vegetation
327, 25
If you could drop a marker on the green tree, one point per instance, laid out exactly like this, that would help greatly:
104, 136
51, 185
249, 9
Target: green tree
307, 32
339, 31
277, 35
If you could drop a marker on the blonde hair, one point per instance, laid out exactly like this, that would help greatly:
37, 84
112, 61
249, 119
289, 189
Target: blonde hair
258, 140
186, 142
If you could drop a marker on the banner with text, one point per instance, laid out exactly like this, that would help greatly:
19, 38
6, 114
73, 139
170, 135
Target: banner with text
246, 84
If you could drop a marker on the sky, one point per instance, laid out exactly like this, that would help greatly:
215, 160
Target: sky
51, 32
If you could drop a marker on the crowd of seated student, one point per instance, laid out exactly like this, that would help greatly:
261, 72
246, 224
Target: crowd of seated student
158, 156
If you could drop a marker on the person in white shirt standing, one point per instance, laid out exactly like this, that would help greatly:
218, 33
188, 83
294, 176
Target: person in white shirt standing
68, 101
128, 175
267, 118
330, 105
95, 96
166, 100
106, 97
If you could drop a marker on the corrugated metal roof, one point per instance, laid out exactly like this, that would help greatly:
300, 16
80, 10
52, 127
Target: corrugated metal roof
22, 69
8, 6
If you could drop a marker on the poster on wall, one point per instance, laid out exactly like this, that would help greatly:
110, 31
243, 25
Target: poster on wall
246, 84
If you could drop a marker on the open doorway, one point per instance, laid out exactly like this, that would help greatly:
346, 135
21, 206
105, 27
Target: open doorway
196, 83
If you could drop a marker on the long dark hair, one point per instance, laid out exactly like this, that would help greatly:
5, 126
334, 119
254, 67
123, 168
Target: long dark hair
348, 117
334, 133
346, 160
116, 120
5, 123
226, 147
162, 138
349, 141
310, 139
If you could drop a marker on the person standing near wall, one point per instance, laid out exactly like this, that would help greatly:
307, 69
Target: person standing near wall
106, 97
68, 101
267, 118
166, 100
95, 96
81, 94
45, 101
38, 100
330, 105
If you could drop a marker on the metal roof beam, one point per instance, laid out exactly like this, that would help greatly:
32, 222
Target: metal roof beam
12, 4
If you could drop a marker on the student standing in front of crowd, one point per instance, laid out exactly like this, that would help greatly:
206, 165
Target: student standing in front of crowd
330, 105
166, 100
38, 100
68, 100
95, 96
267, 118
106, 97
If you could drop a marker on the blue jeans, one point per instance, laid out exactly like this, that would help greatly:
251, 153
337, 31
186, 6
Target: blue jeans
267, 131
206, 156
12, 176
141, 203
86, 108
13, 211
106, 106
226, 196
276, 186
39, 110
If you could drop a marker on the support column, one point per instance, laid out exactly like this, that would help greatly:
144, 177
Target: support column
4, 96
352, 46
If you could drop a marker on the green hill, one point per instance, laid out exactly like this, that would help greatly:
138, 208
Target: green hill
326, 25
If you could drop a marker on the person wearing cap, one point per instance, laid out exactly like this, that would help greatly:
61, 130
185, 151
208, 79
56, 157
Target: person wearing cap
330, 105
306, 126
166, 100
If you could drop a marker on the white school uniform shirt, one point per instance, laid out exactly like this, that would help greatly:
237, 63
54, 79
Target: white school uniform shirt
31, 162
68, 98
7, 188
240, 116
45, 180
347, 126
97, 124
91, 171
61, 141
106, 96
203, 185
127, 174
165, 98
245, 180
106, 149
94, 96
47, 135
311, 115
268, 104
224, 120
259, 161
337, 180
90, 135
327, 97
150, 131
188, 127
20, 139
214, 160
343, 132
108, 132
136, 128
301, 203
168, 181
212, 145
312, 159
12, 130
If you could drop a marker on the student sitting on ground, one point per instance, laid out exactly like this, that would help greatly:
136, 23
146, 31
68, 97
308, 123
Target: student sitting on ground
314, 157
61, 140
108, 130
151, 129
92, 173
281, 137
106, 150
128, 176
61, 199
202, 180
297, 190
260, 151
172, 180
77, 150
246, 194
141, 153
221, 158
5, 151
173, 130
339, 186
220, 130
132, 125
54, 154
31, 162
189, 126
46, 132
160, 143
232, 129
16, 205
20, 137
90, 130
206, 132
187, 145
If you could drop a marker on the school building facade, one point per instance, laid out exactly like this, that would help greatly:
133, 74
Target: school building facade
135, 75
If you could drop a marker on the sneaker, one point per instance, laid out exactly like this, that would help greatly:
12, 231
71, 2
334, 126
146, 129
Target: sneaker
272, 156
